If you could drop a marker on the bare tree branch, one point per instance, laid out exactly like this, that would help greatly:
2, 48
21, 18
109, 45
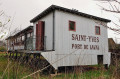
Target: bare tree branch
111, 5
114, 9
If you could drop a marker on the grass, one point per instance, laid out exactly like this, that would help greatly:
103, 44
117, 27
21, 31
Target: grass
86, 75
23, 71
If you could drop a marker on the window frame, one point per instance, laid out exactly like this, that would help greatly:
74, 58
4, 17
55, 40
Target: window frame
96, 29
74, 26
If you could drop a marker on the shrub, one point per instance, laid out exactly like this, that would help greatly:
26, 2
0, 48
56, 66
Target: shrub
2, 49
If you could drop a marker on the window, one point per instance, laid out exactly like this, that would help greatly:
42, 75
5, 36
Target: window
17, 39
72, 26
31, 34
23, 38
28, 35
97, 30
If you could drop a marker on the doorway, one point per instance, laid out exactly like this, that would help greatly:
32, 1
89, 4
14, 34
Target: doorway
100, 59
40, 31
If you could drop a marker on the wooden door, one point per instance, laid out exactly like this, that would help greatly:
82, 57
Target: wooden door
40, 28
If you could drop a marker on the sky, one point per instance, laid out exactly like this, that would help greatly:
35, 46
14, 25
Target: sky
22, 11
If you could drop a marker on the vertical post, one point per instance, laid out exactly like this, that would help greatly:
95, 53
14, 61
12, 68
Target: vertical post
25, 43
20, 57
27, 58
54, 30
45, 42
16, 56
56, 72
10, 55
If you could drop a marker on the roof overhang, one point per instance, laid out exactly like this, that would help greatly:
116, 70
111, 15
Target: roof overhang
22, 31
54, 7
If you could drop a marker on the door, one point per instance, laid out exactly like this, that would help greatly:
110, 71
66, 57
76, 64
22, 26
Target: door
40, 31
100, 59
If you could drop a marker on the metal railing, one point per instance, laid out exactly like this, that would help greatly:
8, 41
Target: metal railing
29, 42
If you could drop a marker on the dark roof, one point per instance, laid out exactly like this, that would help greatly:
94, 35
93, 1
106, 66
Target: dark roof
54, 7
23, 31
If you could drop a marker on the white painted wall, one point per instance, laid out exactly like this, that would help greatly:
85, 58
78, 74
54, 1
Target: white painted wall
64, 55
10, 47
48, 31
63, 40
84, 26
18, 47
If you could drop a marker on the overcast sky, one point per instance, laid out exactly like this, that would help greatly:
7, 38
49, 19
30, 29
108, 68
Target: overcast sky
24, 10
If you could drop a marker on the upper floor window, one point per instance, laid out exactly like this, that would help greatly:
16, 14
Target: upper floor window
97, 30
72, 26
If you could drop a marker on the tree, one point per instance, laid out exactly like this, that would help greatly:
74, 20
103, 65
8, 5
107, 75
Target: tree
113, 7
4, 20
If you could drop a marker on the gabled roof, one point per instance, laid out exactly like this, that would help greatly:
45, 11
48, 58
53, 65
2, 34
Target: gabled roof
54, 7
22, 31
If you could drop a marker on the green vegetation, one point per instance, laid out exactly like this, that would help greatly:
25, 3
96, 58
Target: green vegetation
86, 75
18, 71
13, 68
2, 49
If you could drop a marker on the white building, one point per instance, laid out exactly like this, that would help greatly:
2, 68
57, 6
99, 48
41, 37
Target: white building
67, 37
75, 38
